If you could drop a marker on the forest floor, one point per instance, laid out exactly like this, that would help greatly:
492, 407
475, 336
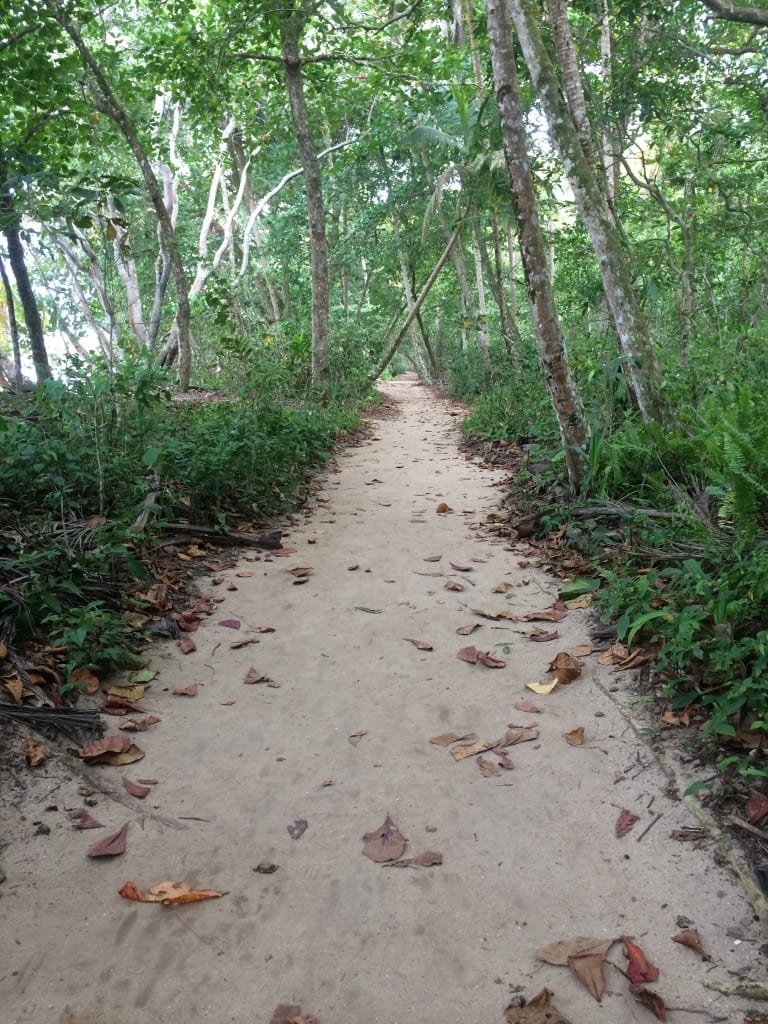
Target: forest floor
265, 791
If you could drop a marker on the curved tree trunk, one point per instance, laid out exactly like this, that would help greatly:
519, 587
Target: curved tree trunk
552, 352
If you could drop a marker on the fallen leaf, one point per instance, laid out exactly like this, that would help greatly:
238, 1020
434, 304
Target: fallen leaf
384, 843
504, 761
454, 585
131, 693
554, 614
445, 739
539, 1010
487, 768
432, 558
541, 688
371, 611
301, 572
565, 668
468, 654
470, 749
690, 938
264, 629
110, 846
327, 782
34, 754
757, 807
559, 952
135, 789
495, 616
579, 602
237, 644
253, 676
81, 819
15, 687
168, 893
690, 834
544, 638
185, 691
144, 675
298, 828
527, 706
650, 1000
615, 654
576, 736
187, 645
230, 623
288, 1013
460, 568
442, 509
117, 706
355, 737
639, 969
519, 734
582, 650
624, 824
468, 630
428, 859
85, 680
244, 575
266, 867
490, 660
501, 588
588, 968
421, 645
138, 724
107, 745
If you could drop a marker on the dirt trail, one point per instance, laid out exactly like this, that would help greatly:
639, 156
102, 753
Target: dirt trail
530, 856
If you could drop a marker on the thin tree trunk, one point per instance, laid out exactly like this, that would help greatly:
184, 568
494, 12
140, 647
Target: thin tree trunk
13, 328
640, 364
552, 352
114, 109
291, 27
482, 316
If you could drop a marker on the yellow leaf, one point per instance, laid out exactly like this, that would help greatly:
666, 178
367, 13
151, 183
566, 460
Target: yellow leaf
541, 687
132, 693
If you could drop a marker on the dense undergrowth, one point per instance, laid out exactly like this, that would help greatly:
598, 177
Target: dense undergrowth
94, 466
675, 525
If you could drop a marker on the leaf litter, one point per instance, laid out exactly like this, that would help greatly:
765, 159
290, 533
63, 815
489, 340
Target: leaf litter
110, 846
420, 645
539, 1010
384, 843
169, 893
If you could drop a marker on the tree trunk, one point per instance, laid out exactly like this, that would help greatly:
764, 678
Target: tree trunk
11, 230
291, 27
114, 109
640, 364
552, 352
13, 329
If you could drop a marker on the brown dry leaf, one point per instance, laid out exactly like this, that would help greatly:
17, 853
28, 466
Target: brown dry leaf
670, 718
428, 859
117, 706
757, 807
490, 660
253, 676
384, 843
650, 1000
453, 585
289, 1013
539, 1010
469, 629
237, 644
169, 893
624, 824
107, 745
264, 629
501, 588
615, 654
421, 645
301, 572
579, 602
554, 614
504, 761
15, 687
527, 706
110, 846
588, 968
640, 969
243, 575
582, 650
185, 691
355, 737
187, 645
576, 736
689, 835
633, 660
442, 509
138, 724
460, 568
544, 638
445, 739
519, 734
690, 938
565, 668
3, 651
81, 819
432, 558
487, 768
135, 789
34, 754
85, 679
131, 693
558, 953
470, 749
468, 654
541, 688
495, 616
298, 828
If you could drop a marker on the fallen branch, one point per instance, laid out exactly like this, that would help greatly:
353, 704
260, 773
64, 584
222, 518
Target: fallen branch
270, 541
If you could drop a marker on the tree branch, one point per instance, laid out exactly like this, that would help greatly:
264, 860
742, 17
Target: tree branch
737, 12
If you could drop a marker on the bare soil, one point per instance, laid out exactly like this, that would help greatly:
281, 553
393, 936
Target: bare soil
341, 741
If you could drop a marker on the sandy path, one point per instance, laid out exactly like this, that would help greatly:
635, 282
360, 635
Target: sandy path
529, 857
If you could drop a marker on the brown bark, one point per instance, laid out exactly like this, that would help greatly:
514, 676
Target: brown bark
738, 12
13, 328
552, 351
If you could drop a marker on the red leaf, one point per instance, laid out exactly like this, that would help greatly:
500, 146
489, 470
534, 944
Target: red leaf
81, 819
639, 969
625, 823
468, 654
135, 789
110, 744
187, 645
690, 938
110, 846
